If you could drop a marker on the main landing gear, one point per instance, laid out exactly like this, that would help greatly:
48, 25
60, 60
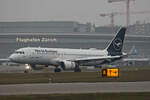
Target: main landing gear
77, 68
57, 69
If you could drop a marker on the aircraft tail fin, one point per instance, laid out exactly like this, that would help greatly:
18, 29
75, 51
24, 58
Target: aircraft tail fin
116, 45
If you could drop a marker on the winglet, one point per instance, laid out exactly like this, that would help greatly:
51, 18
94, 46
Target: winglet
133, 51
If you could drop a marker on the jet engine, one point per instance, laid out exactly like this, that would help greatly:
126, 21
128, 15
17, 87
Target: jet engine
68, 65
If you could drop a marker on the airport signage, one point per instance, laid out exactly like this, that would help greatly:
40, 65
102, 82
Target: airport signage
33, 39
110, 72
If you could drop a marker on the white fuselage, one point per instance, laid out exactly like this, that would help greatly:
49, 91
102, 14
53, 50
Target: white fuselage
51, 56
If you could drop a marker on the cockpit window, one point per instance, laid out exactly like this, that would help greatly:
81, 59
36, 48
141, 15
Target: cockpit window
19, 52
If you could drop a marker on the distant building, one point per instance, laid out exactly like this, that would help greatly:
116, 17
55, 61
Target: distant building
137, 29
106, 29
44, 27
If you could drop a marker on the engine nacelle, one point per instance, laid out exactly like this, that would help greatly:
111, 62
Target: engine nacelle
68, 65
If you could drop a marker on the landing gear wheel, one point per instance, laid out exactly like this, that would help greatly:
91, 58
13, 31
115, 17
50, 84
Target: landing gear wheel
26, 71
57, 70
77, 70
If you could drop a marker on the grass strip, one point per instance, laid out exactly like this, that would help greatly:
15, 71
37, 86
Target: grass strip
94, 96
69, 77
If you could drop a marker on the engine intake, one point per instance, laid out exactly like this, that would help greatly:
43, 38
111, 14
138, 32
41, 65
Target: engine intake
68, 65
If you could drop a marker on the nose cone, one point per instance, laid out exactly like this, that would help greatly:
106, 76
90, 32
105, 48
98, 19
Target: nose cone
13, 58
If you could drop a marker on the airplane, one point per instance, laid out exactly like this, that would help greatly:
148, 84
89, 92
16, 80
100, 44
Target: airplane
65, 59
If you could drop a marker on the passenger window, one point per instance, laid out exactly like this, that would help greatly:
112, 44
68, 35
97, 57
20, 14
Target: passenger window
19, 52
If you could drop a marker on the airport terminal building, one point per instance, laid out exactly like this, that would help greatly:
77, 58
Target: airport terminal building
44, 27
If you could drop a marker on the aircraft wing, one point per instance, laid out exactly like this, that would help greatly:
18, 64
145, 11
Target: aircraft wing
4, 60
94, 59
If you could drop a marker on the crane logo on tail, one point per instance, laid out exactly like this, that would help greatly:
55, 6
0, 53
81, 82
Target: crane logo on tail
117, 43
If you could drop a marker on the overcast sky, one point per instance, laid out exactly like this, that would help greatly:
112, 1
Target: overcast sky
63, 10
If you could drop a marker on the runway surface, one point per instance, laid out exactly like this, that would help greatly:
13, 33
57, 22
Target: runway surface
64, 88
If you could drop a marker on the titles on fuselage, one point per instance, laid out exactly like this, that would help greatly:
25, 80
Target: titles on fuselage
45, 51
